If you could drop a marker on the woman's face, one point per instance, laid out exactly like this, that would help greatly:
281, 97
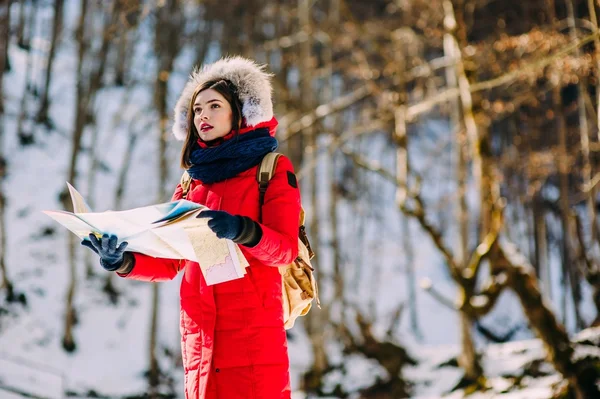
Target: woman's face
212, 115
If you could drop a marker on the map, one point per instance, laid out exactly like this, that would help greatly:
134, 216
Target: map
168, 230
221, 272
220, 260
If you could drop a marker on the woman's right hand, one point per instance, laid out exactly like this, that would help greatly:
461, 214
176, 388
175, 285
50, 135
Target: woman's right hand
111, 256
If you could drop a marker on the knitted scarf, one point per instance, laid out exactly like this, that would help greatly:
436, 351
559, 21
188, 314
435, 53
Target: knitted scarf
214, 164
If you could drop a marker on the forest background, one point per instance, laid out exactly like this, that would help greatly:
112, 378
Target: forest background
448, 153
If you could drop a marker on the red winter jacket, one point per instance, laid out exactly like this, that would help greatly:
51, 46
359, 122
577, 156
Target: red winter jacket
232, 336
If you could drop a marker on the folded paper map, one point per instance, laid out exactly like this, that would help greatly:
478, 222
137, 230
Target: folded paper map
169, 230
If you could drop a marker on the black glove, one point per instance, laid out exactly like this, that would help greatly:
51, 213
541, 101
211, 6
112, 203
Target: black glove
223, 224
240, 229
111, 256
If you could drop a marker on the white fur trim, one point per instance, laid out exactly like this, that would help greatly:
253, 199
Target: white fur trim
251, 80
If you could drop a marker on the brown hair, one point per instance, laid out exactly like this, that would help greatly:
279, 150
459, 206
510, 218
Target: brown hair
227, 90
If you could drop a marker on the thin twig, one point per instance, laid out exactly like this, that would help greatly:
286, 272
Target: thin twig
429, 288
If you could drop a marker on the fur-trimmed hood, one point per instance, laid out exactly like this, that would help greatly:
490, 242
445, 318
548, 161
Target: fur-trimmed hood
252, 82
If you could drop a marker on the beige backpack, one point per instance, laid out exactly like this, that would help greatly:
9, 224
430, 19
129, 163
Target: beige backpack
298, 281
299, 286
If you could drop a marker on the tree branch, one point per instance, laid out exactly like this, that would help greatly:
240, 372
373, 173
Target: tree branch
322, 111
482, 303
418, 214
428, 287
427, 104
483, 249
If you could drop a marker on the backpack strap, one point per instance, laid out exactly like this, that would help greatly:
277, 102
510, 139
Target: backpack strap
264, 173
185, 182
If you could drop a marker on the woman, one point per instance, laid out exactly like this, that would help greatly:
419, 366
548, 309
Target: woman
233, 339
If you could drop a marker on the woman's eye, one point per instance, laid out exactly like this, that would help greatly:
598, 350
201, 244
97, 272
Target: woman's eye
215, 105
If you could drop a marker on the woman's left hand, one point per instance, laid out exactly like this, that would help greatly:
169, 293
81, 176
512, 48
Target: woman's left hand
223, 224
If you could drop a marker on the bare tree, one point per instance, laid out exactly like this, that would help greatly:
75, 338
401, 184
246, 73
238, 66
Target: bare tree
304, 147
542, 265
467, 133
167, 42
88, 85
403, 171
130, 15
5, 66
24, 133
70, 316
4, 41
509, 268
594, 21
586, 171
21, 39
42, 114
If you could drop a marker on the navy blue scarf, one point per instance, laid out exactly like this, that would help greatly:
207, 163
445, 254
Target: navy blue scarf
230, 158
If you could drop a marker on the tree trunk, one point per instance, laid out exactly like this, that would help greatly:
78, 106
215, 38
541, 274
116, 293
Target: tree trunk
594, 20
468, 359
586, 167
543, 269
123, 57
87, 88
90, 258
203, 44
299, 143
129, 16
42, 115
402, 173
68, 339
109, 287
466, 129
338, 275
592, 271
31, 25
313, 324
570, 282
563, 170
5, 283
154, 370
27, 137
411, 278
4, 43
21, 25
167, 45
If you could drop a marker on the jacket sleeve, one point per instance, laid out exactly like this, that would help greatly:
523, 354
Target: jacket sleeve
147, 268
280, 212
